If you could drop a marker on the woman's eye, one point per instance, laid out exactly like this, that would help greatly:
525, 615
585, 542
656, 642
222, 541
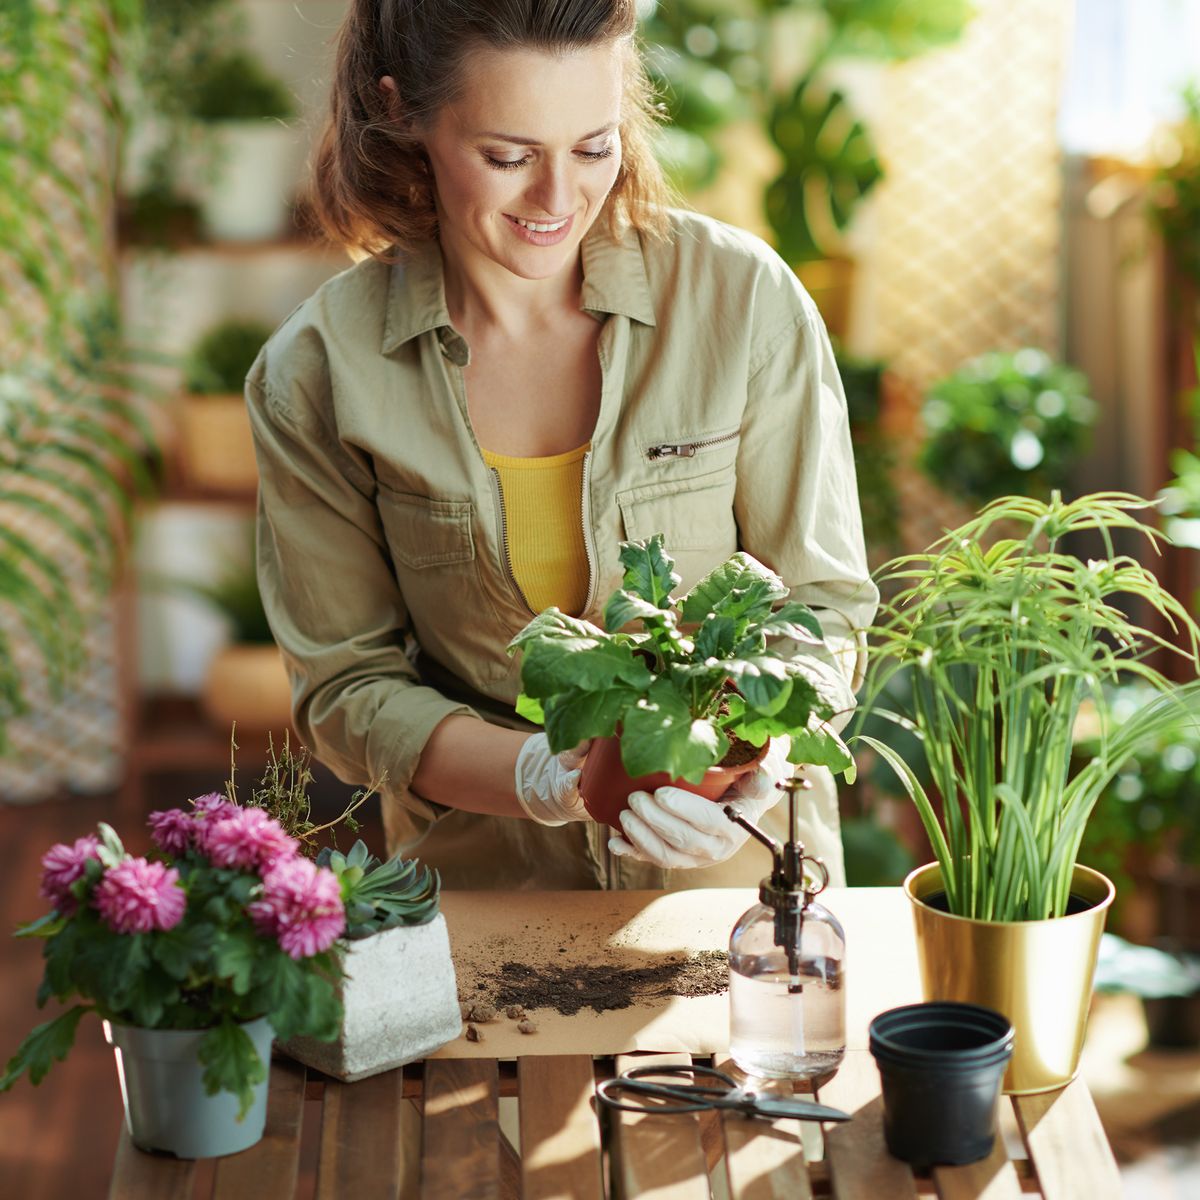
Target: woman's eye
505, 164
594, 155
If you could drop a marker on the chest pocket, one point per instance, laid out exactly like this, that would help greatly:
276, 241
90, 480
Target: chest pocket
694, 515
423, 533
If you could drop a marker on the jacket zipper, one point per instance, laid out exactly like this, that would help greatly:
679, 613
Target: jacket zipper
504, 539
687, 449
586, 516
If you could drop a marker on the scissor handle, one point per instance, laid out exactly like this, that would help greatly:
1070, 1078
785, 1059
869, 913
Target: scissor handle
684, 1097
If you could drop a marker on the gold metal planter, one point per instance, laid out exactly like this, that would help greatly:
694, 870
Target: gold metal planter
1037, 973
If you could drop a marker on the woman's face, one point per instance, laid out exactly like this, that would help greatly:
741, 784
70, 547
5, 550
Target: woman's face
525, 157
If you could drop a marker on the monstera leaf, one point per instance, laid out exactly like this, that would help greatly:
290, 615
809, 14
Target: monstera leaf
829, 166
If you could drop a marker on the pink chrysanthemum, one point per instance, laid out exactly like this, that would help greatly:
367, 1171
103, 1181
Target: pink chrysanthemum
62, 865
250, 840
213, 806
137, 896
173, 830
301, 907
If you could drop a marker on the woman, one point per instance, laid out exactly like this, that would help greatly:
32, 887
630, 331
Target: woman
536, 360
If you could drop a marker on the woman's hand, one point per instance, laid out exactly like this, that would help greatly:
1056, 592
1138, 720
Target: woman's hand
547, 784
675, 829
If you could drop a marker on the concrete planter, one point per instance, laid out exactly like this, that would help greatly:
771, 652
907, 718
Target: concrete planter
401, 1003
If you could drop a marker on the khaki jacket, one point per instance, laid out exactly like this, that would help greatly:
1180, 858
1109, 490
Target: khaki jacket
381, 538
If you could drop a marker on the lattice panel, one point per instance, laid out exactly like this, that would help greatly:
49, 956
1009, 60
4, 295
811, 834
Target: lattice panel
968, 225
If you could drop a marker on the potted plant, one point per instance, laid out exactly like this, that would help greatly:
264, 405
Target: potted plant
694, 696
194, 957
216, 448
1167, 983
1006, 423
1006, 638
245, 109
394, 931
245, 684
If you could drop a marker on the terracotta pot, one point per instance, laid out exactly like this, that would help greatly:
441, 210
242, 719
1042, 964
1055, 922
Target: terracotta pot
605, 785
216, 448
248, 685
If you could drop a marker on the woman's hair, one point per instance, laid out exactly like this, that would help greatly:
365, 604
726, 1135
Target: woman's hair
371, 188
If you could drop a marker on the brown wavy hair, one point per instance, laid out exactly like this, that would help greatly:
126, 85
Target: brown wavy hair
370, 188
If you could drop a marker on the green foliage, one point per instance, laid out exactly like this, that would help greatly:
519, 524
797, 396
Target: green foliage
713, 61
381, 895
220, 361
874, 460
678, 697
1005, 638
1175, 193
236, 87
1006, 424
75, 442
874, 855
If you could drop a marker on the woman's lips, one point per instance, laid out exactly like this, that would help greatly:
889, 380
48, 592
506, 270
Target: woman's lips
534, 238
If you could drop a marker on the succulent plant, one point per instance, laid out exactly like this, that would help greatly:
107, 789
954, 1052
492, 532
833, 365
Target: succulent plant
381, 895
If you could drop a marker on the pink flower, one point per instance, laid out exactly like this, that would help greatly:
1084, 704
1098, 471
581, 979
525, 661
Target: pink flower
173, 830
249, 840
301, 907
213, 806
137, 896
62, 865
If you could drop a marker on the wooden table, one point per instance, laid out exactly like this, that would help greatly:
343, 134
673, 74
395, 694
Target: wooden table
433, 1130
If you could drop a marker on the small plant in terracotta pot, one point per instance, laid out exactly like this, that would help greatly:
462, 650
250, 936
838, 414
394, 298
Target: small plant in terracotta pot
694, 697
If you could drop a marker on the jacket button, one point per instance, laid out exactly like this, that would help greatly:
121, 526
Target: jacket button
454, 348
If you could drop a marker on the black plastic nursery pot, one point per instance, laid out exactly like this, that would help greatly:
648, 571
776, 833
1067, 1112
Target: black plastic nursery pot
941, 1065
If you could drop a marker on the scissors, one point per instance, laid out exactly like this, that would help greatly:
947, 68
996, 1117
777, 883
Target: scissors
695, 1097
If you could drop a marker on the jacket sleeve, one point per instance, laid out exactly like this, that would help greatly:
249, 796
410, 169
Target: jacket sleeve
796, 502
334, 605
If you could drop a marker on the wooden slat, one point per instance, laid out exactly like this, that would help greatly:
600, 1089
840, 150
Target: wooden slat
1067, 1145
659, 1155
140, 1176
764, 1160
992, 1178
460, 1152
560, 1131
269, 1169
859, 1162
361, 1140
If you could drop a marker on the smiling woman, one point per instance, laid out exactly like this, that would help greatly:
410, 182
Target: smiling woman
537, 359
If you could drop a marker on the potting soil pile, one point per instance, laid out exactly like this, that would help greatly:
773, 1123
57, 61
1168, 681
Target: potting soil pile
601, 972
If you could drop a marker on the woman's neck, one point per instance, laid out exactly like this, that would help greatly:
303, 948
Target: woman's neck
481, 295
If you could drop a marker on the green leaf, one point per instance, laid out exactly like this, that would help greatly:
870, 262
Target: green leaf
530, 709
764, 681
297, 1000
649, 571
715, 638
231, 1064
550, 668
184, 948
659, 734
573, 716
552, 624
821, 747
796, 621
45, 1045
235, 957
45, 926
111, 849
624, 606
741, 586
792, 718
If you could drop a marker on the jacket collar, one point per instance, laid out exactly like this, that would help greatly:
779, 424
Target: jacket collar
614, 281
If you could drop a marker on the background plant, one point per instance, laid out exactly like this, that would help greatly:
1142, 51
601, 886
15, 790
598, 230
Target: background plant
381, 895
1006, 636
667, 688
221, 359
1006, 424
719, 61
75, 444
1175, 192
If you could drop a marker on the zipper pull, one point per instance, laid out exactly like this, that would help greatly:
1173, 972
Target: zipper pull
678, 450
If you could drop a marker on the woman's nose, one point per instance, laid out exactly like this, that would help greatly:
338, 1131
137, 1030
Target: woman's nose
551, 190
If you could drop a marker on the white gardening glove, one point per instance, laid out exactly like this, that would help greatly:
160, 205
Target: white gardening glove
677, 829
548, 784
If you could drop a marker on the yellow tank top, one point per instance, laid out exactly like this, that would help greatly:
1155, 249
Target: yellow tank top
543, 511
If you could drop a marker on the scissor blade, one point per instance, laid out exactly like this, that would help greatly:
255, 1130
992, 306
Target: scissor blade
806, 1110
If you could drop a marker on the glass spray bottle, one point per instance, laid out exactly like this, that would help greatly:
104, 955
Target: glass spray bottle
787, 1003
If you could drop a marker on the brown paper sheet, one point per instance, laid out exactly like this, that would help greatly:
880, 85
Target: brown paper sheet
633, 929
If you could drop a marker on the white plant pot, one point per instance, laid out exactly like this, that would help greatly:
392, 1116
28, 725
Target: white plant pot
256, 167
400, 999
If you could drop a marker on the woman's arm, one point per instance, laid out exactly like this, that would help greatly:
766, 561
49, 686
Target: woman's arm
470, 764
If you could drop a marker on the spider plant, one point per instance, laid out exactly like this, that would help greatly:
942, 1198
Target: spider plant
75, 444
1004, 634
